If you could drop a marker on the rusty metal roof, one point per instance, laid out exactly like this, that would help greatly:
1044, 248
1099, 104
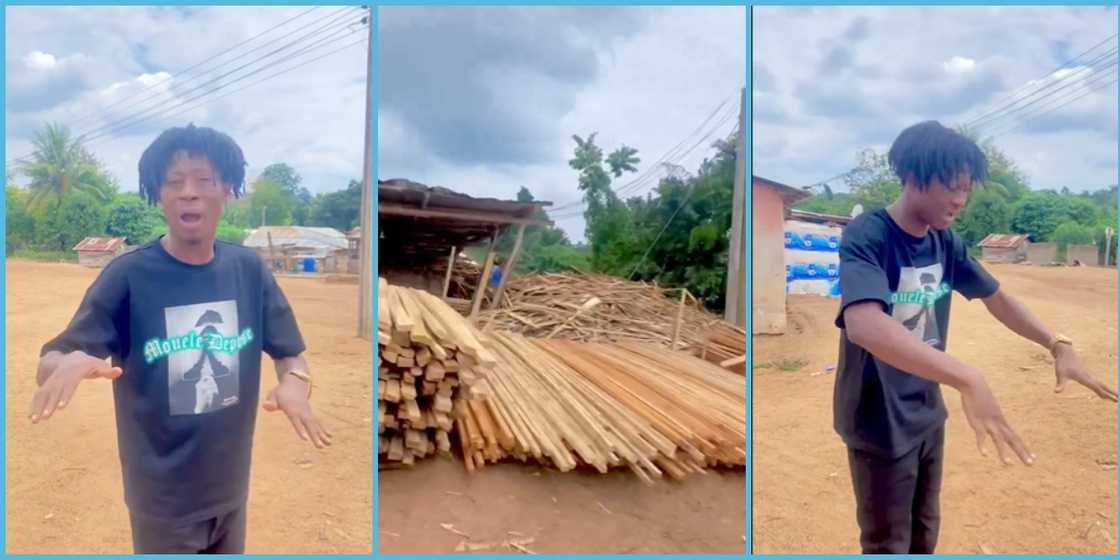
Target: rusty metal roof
420, 223
100, 244
1003, 241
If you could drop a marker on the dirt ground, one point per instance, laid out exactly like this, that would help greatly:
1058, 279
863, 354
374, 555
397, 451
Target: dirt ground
64, 492
563, 513
1065, 503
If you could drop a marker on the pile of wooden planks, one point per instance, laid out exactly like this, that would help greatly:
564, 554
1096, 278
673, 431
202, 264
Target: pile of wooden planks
429, 357
724, 344
597, 308
638, 406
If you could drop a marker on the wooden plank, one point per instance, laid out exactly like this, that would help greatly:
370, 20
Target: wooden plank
393, 391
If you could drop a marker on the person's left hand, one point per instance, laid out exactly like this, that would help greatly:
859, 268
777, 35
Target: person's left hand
290, 396
1068, 368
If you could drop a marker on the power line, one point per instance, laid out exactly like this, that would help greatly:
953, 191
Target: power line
265, 79
661, 166
162, 107
177, 83
1102, 61
94, 132
1098, 85
165, 111
1050, 73
656, 165
186, 71
691, 189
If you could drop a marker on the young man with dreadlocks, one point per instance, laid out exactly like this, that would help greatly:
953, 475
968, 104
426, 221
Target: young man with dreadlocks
184, 320
898, 267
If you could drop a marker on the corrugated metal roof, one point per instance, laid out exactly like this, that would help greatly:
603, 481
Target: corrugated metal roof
100, 244
817, 217
788, 193
1003, 241
318, 241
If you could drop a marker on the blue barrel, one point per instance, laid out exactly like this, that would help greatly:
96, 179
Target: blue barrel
309, 265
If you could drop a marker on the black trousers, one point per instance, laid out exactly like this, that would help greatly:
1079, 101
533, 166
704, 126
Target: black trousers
898, 500
222, 534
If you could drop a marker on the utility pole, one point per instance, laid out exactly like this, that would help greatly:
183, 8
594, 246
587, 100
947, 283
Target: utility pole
365, 284
264, 212
734, 310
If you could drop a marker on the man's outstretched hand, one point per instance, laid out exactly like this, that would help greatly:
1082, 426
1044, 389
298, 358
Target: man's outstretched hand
1068, 368
61, 374
291, 397
987, 420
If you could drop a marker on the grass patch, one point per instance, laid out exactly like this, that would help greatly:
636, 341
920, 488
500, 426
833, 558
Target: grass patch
783, 365
45, 256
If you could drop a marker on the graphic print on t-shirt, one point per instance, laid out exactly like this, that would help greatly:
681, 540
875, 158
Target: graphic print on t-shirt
918, 291
202, 375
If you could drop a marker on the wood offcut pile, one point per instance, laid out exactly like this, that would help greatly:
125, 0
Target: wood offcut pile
632, 405
597, 308
429, 358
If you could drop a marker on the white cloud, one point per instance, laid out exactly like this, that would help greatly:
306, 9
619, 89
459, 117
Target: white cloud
641, 76
959, 65
111, 63
954, 67
40, 60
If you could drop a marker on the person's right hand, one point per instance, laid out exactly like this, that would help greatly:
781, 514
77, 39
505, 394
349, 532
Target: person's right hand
986, 419
69, 370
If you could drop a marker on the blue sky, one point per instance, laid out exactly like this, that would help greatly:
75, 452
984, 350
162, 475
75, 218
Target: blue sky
485, 100
854, 77
73, 65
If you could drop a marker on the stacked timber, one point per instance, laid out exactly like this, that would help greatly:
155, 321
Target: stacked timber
428, 359
569, 404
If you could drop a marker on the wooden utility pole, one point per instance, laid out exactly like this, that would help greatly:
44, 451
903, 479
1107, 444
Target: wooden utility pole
507, 268
734, 310
365, 284
480, 291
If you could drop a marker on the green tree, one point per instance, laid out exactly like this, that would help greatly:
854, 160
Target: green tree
79, 216
872, 183
987, 212
19, 222
231, 233
606, 216
131, 217
290, 181
60, 164
269, 201
340, 209
1040, 213
837, 204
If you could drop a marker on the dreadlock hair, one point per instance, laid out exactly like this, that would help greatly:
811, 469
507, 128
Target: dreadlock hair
928, 150
219, 149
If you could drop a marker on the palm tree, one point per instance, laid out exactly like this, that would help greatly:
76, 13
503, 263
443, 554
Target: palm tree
623, 159
61, 164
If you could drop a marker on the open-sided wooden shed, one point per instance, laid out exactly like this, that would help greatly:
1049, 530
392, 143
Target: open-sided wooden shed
422, 228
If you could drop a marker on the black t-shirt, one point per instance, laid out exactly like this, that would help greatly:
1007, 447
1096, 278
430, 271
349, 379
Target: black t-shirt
876, 407
189, 339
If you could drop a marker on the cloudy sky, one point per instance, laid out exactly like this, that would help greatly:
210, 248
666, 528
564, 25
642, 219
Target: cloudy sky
90, 67
484, 100
856, 76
